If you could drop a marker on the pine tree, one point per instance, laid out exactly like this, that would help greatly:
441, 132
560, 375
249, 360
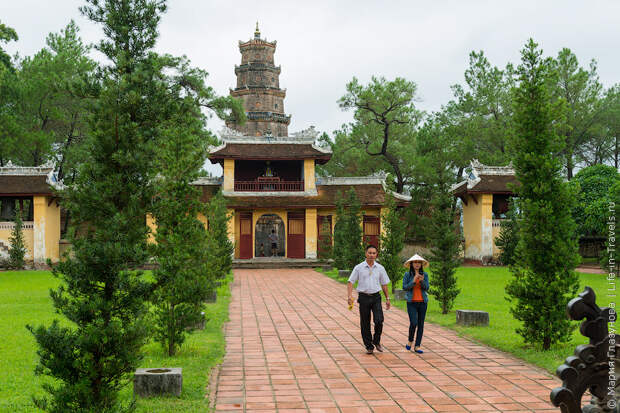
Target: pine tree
443, 232
392, 241
348, 247
508, 237
326, 248
544, 277
17, 247
445, 241
185, 275
340, 235
102, 294
354, 250
220, 248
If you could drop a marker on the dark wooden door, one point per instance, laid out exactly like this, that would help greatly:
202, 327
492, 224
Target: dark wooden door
296, 237
324, 229
372, 229
245, 241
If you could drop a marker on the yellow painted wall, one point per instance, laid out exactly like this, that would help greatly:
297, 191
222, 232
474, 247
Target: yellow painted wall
229, 175
233, 229
384, 212
472, 226
311, 233
40, 221
5, 233
150, 222
46, 230
477, 227
374, 212
52, 232
309, 176
487, 225
204, 220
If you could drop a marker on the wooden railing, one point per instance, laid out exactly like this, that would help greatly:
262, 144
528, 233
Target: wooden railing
264, 185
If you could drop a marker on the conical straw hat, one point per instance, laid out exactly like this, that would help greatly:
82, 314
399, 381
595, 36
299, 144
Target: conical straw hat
416, 257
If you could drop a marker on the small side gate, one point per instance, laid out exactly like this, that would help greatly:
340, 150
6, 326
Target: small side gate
245, 231
296, 236
372, 229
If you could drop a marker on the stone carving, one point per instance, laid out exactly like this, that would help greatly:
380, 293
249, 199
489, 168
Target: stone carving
594, 366
309, 133
227, 132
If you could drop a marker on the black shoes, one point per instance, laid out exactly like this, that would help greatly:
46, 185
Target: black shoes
369, 351
379, 348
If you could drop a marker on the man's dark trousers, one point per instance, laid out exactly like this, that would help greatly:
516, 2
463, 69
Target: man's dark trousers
370, 303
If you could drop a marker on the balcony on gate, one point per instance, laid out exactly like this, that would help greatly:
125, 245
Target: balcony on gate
268, 184
268, 176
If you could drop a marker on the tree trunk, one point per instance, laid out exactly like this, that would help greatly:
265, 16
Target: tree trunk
569, 166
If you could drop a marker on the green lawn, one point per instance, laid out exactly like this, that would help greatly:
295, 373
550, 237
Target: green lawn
24, 299
482, 288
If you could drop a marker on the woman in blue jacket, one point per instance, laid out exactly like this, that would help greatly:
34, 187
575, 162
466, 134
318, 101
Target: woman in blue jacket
415, 284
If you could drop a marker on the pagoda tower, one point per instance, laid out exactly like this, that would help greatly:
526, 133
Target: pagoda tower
258, 86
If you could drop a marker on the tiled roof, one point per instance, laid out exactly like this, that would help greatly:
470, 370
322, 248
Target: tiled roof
487, 179
24, 185
269, 151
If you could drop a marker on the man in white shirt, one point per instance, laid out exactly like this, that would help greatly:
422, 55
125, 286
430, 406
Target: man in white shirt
371, 278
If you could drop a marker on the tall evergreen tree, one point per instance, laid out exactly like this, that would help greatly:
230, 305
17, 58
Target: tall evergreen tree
326, 249
340, 235
392, 241
220, 248
17, 247
544, 277
438, 163
582, 94
508, 237
354, 251
9, 127
185, 275
348, 247
101, 293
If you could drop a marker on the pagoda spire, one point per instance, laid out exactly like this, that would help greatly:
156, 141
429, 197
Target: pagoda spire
258, 87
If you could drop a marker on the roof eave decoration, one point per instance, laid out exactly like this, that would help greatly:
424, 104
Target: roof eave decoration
207, 180
479, 170
307, 137
47, 170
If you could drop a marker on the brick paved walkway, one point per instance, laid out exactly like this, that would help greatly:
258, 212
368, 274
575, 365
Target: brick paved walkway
292, 345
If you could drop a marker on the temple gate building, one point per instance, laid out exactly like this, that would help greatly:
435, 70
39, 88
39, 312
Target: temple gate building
31, 190
485, 195
269, 177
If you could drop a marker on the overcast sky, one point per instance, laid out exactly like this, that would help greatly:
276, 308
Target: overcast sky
323, 44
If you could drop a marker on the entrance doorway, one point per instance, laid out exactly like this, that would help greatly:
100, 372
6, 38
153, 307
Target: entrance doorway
296, 239
371, 230
269, 231
245, 231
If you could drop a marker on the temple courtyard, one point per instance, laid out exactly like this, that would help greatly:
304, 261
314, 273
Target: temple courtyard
292, 345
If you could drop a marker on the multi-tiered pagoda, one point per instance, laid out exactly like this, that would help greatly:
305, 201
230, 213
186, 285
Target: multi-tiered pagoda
258, 86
